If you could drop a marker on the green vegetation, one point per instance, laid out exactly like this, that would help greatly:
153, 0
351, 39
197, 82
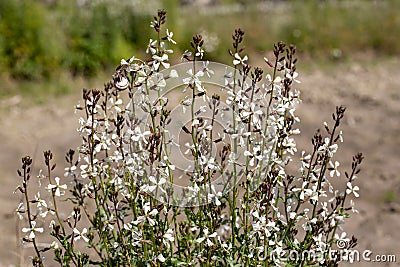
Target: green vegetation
389, 196
332, 27
41, 41
38, 39
131, 194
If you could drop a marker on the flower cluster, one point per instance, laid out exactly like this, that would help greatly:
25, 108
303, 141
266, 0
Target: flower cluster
228, 200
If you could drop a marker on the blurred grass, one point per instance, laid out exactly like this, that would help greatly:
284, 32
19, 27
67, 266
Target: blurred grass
41, 42
41, 91
321, 30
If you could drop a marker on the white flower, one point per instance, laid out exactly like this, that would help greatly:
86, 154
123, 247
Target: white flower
262, 225
238, 60
115, 104
352, 205
277, 80
157, 184
87, 189
350, 189
215, 196
330, 150
186, 55
56, 188
54, 245
293, 77
103, 142
19, 210
206, 70
69, 171
342, 238
255, 155
194, 79
207, 237
32, 230
334, 170
41, 204
169, 236
199, 52
138, 135
160, 60
161, 258
152, 47
305, 161
147, 214
79, 235
304, 192
169, 37
290, 145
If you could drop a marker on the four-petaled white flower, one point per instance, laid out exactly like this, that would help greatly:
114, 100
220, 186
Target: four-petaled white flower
207, 237
157, 184
304, 191
215, 196
350, 189
56, 187
32, 230
147, 215
79, 235
333, 169
137, 135
160, 60
69, 171
194, 79
238, 60
293, 77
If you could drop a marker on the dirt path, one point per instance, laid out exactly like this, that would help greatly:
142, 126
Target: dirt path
371, 93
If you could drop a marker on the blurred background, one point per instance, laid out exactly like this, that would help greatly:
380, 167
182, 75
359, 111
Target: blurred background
43, 40
348, 54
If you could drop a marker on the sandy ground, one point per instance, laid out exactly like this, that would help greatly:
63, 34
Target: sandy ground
370, 91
